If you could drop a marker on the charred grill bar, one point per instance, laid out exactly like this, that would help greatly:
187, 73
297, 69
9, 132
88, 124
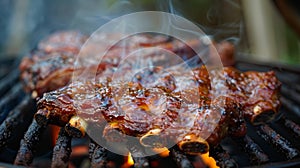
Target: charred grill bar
180, 158
293, 126
272, 136
61, 150
256, 154
223, 158
10, 100
98, 155
255, 150
14, 119
28, 144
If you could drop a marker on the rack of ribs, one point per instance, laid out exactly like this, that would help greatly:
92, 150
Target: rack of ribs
154, 107
51, 65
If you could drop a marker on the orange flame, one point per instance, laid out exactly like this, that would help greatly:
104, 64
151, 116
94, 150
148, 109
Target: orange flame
129, 161
209, 161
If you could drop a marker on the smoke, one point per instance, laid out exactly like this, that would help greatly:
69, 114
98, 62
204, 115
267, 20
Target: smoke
226, 20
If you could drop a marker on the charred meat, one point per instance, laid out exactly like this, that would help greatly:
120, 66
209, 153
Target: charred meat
52, 64
155, 101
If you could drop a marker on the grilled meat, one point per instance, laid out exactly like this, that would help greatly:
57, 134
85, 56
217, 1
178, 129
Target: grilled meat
49, 74
60, 42
40, 72
157, 99
63, 41
257, 92
52, 65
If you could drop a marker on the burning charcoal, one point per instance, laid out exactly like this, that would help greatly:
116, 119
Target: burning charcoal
138, 155
61, 150
31, 138
257, 154
13, 119
277, 140
180, 158
223, 158
293, 126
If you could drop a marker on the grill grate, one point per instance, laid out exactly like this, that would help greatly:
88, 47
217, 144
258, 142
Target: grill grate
269, 145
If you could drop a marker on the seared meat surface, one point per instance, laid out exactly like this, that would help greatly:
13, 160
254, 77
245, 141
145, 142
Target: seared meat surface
52, 65
41, 73
70, 41
49, 74
257, 92
216, 103
60, 42
145, 93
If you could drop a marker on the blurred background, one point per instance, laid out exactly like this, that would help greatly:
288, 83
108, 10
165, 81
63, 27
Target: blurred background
262, 30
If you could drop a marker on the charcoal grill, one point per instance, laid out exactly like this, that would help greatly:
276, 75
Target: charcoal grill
274, 144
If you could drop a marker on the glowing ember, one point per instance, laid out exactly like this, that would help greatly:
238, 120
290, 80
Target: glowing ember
54, 133
209, 161
163, 152
80, 150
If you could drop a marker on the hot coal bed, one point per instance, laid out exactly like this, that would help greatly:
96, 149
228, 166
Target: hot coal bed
274, 144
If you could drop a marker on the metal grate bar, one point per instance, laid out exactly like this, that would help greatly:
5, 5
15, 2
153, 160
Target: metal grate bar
61, 150
15, 118
10, 100
180, 158
293, 126
291, 94
254, 150
8, 81
31, 139
290, 105
223, 158
269, 135
98, 155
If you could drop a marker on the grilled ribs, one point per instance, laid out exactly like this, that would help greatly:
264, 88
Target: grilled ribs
40, 72
161, 100
59, 42
51, 66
